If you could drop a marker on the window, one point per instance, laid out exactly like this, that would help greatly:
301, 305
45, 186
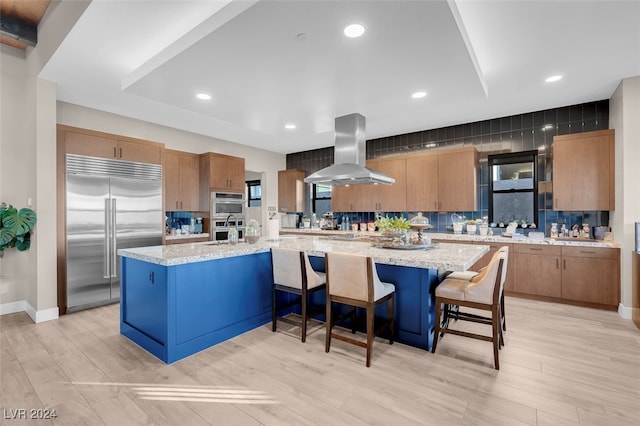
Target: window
321, 199
513, 187
254, 189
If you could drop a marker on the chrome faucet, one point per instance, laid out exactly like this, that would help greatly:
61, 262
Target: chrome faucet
226, 224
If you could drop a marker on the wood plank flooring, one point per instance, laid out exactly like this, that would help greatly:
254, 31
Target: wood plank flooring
562, 365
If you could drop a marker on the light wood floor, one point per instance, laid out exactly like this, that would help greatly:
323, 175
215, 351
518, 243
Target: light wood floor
562, 365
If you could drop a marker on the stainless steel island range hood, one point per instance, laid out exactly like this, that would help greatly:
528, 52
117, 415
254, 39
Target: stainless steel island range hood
349, 157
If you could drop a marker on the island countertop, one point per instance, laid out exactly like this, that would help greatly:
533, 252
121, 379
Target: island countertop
442, 256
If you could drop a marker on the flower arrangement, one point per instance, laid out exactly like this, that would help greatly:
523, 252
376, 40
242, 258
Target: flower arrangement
387, 224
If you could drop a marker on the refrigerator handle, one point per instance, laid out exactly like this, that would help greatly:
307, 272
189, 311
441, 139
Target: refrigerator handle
114, 248
107, 241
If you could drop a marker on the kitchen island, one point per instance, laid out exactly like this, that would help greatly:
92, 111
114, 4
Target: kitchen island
180, 299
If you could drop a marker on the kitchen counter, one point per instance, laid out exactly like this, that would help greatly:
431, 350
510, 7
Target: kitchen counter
179, 299
178, 237
441, 236
443, 256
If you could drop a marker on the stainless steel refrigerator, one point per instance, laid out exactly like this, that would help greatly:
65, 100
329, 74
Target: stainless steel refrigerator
110, 204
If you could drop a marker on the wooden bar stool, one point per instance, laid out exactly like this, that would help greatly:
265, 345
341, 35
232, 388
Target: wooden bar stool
292, 273
353, 280
480, 292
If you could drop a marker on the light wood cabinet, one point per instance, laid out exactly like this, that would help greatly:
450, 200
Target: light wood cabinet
585, 275
363, 198
583, 171
591, 275
291, 190
182, 181
457, 180
443, 180
387, 197
537, 270
220, 172
96, 144
422, 183
348, 198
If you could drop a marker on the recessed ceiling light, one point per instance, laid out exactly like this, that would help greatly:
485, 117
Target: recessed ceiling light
553, 78
203, 96
290, 126
419, 95
354, 30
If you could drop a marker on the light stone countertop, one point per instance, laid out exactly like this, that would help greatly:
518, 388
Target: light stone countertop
573, 242
185, 236
442, 256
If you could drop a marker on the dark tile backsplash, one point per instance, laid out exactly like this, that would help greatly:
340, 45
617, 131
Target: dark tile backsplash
521, 132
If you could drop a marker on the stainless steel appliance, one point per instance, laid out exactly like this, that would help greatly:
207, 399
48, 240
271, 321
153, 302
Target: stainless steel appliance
110, 205
227, 211
226, 203
221, 225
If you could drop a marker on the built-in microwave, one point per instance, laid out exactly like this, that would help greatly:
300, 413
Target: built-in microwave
226, 203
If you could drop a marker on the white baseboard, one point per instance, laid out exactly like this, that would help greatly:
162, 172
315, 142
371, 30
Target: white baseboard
625, 312
24, 306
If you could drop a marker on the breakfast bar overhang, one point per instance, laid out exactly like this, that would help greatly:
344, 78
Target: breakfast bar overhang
177, 300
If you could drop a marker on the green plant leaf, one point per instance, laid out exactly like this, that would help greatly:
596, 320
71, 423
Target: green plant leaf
6, 237
19, 222
23, 242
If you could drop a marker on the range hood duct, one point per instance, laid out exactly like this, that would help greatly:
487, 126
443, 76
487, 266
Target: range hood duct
349, 157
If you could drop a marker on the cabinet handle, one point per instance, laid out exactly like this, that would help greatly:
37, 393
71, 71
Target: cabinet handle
151, 277
587, 252
435, 205
564, 264
180, 205
535, 249
176, 205
439, 205
114, 153
556, 203
120, 152
557, 263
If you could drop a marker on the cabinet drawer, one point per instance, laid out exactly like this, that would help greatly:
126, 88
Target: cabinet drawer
595, 252
537, 249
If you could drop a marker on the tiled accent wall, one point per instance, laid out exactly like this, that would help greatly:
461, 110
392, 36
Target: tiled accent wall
521, 132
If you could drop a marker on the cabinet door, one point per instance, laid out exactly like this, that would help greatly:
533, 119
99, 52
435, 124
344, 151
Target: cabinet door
226, 172
171, 181
583, 171
387, 197
189, 182
236, 174
93, 146
457, 177
139, 152
291, 190
537, 270
347, 198
591, 275
422, 183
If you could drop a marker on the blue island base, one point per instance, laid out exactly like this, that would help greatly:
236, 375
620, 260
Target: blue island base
176, 311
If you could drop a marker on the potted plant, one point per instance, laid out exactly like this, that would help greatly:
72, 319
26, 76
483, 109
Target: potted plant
471, 226
392, 226
15, 227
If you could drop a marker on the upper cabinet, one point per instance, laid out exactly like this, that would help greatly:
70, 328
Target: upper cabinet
359, 198
583, 171
222, 172
442, 180
387, 197
291, 190
97, 144
181, 180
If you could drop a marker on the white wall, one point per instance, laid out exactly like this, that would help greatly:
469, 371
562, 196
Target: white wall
624, 113
16, 175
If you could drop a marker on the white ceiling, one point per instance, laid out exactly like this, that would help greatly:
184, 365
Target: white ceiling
267, 63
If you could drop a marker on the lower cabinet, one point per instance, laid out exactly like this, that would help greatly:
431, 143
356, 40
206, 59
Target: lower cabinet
591, 275
578, 274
